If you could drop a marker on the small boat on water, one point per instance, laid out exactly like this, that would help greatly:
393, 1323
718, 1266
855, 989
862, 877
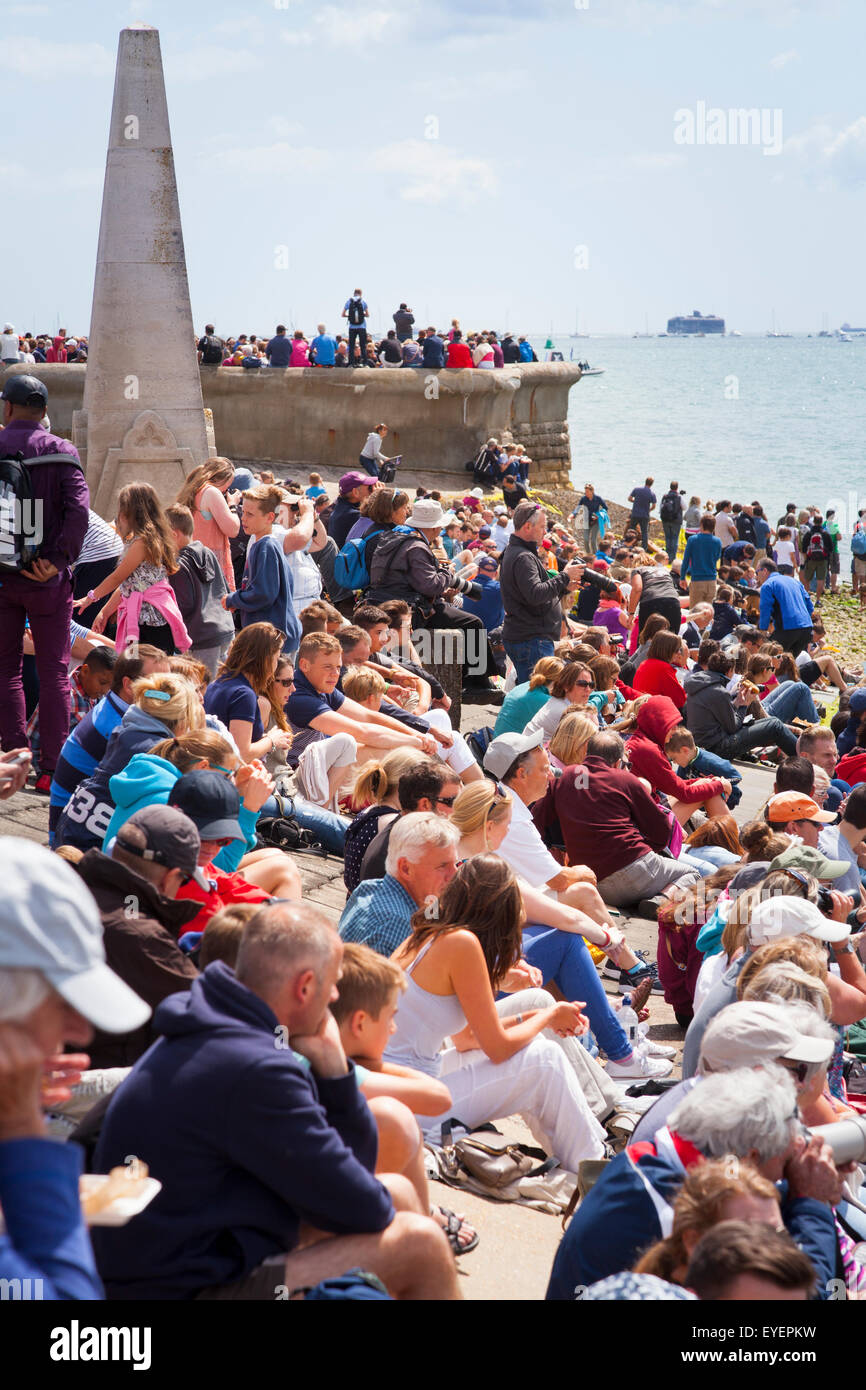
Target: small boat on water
587, 370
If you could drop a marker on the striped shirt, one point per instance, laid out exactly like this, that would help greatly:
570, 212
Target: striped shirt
81, 754
101, 541
378, 914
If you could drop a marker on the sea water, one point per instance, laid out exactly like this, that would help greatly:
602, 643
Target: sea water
775, 420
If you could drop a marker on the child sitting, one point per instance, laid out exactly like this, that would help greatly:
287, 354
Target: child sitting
87, 684
315, 489
369, 994
364, 686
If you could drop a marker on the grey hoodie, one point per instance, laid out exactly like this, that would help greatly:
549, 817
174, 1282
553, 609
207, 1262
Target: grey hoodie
199, 585
710, 712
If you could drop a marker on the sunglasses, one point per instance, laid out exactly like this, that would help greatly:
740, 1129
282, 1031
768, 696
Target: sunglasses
587, 685
798, 1069
445, 800
229, 772
282, 681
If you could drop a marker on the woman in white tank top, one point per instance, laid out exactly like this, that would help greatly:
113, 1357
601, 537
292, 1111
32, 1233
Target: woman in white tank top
496, 1065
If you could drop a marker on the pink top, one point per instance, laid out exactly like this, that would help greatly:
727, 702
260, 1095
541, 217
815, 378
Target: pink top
162, 597
214, 526
300, 353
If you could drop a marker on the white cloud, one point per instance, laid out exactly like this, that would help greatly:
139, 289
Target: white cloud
434, 173
835, 158
259, 161
347, 27
45, 59
209, 61
782, 60
656, 163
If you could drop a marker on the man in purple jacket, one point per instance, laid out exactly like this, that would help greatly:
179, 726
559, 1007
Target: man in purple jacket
43, 592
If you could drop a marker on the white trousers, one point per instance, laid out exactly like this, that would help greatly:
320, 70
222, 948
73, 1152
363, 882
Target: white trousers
537, 1083
458, 755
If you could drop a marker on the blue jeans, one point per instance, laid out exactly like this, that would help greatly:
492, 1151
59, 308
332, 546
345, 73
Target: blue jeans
525, 654
763, 733
791, 700
672, 538
711, 765
641, 523
326, 825
562, 956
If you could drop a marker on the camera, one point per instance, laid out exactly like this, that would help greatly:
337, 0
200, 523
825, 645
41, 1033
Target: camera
825, 900
469, 588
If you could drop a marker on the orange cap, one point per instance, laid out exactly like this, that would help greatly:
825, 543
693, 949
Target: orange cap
795, 806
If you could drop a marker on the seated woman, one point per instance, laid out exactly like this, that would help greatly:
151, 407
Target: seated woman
660, 739
567, 748
162, 706
309, 794
246, 674
572, 687
655, 623
680, 960
555, 937
526, 699
607, 699
658, 674
375, 797
498, 1063
790, 698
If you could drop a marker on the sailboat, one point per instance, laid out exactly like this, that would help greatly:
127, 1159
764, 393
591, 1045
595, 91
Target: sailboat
773, 334
577, 333
646, 333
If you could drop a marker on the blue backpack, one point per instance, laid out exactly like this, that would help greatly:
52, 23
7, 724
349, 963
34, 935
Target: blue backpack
858, 541
351, 569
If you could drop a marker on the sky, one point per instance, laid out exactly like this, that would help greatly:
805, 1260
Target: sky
511, 163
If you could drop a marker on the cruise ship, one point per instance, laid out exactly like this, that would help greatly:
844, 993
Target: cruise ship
696, 324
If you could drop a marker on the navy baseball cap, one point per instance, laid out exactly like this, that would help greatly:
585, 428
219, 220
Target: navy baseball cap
24, 390
212, 803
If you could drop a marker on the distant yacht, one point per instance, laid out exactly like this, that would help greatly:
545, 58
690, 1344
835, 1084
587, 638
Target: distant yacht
771, 333
577, 333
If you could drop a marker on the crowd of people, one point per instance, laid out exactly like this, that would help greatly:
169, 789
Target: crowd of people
257, 670
404, 345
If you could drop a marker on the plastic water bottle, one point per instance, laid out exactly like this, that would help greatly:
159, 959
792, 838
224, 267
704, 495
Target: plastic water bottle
629, 1021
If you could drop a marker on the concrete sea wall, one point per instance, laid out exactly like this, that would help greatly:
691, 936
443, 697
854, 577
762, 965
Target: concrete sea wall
298, 419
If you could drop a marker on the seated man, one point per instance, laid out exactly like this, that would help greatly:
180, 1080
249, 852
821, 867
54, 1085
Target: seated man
793, 813
421, 860
249, 1114
626, 858
54, 988
135, 886
316, 707
428, 786
748, 1114
740, 1261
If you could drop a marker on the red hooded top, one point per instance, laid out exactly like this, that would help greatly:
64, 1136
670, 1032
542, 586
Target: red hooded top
646, 756
655, 677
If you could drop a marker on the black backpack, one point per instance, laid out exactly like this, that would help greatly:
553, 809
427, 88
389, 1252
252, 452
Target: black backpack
670, 508
212, 351
356, 312
20, 526
817, 548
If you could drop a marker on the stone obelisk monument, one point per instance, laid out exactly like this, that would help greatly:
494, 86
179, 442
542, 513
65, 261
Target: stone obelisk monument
143, 418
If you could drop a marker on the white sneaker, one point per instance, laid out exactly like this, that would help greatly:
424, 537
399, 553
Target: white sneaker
639, 1067
651, 1048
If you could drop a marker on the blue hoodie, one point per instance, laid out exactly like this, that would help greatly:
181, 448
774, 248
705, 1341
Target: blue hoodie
147, 781
245, 1140
86, 815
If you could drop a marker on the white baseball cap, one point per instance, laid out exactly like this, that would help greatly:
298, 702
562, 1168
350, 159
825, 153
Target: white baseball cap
783, 916
507, 748
49, 922
749, 1034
